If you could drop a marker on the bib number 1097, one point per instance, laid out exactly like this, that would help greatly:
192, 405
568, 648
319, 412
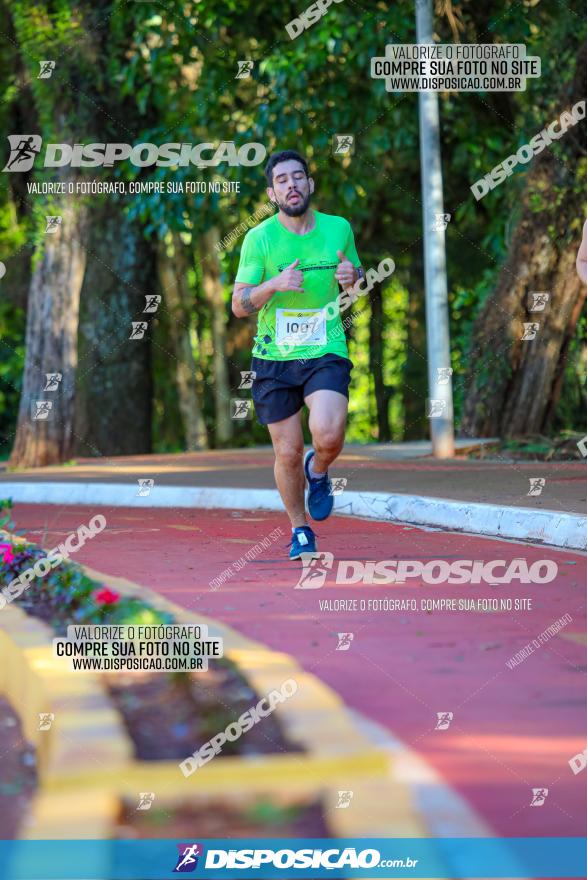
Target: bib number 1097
301, 327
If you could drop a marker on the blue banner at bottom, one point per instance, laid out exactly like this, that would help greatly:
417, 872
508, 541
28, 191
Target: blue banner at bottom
457, 857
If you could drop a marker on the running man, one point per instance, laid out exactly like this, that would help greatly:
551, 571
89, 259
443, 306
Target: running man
290, 270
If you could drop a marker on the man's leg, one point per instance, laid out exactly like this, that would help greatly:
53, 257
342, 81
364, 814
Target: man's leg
288, 444
328, 412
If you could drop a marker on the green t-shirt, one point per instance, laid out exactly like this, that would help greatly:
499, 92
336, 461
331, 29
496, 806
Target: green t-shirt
295, 325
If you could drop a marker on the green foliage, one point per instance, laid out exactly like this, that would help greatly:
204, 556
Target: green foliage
171, 70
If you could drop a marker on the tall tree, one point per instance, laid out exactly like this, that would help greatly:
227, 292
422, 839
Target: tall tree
514, 382
77, 103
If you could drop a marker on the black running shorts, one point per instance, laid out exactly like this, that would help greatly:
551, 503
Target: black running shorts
279, 387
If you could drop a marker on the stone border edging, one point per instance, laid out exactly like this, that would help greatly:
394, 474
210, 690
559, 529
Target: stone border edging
550, 527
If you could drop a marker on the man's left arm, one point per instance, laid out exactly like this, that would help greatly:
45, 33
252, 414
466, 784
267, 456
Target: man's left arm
349, 270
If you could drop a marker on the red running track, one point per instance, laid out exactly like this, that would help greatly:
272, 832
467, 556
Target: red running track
513, 729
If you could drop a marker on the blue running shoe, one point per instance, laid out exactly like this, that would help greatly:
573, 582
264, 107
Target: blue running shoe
320, 497
303, 540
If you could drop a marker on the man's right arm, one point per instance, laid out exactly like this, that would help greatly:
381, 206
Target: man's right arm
249, 298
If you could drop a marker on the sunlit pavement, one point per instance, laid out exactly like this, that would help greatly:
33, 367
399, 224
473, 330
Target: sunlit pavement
513, 730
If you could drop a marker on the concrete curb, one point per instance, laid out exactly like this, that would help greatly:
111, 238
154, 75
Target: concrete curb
568, 531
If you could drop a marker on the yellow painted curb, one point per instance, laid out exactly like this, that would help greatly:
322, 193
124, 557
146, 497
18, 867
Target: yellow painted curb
86, 729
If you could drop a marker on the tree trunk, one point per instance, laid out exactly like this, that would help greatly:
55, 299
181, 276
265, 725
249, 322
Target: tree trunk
114, 390
172, 269
214, 292
515, 384
45, 428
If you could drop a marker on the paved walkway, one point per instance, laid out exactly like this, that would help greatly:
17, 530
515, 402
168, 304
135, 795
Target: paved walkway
513, 729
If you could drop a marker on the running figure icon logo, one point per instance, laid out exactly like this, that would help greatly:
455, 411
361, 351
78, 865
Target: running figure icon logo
47, 68
52, 381
24, 148
444, 719
530, 331
344, 641
539, 301
314, 571
152, 301
53, 222
41, 409
247, 379
343, 144
187, 861
539, 795
337, 485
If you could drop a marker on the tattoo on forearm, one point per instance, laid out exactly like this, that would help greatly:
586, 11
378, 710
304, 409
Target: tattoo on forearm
246, 303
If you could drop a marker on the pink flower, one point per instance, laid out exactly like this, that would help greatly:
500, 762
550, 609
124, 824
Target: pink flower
106, 596
8, 555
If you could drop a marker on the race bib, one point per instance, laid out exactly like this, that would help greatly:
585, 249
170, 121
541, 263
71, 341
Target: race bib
300, 327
